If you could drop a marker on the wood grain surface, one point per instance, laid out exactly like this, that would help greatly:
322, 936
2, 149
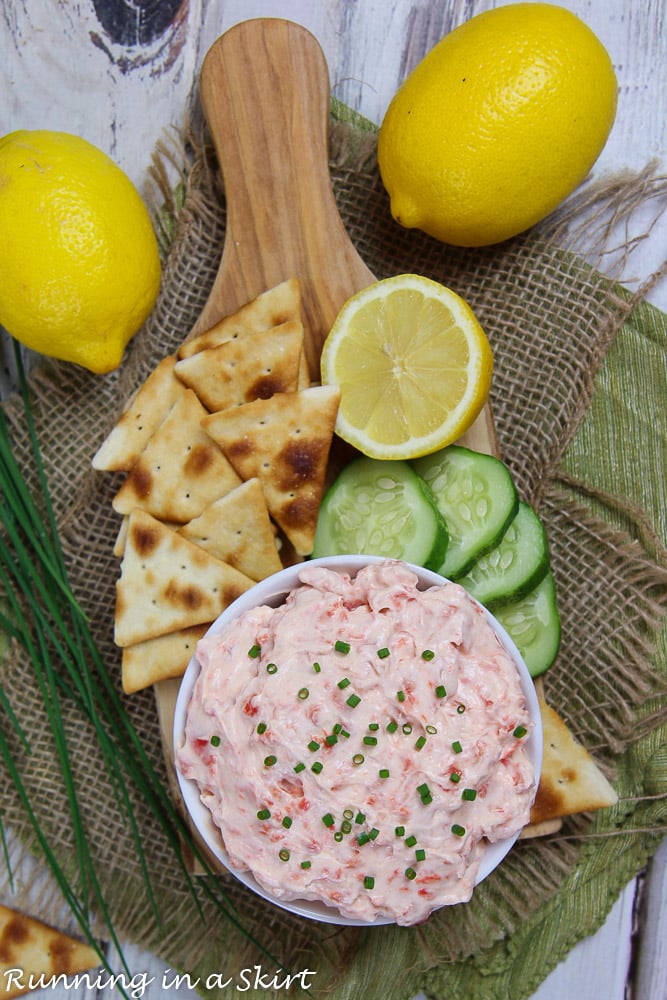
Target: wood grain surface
124, 74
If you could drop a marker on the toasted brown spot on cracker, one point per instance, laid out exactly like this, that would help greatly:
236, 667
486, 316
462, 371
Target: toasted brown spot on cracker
199, 460
144, 539
189, 597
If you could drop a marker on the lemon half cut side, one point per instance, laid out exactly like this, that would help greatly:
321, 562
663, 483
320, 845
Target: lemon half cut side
413, 365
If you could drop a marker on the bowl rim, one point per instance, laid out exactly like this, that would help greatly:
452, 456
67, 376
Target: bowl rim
272, 591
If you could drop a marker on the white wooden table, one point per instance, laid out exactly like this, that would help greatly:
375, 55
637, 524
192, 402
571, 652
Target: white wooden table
120, 73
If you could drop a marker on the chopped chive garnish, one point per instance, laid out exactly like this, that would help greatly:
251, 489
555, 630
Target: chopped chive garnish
341, 647
392, 726
270, 760
410, 841
299, 767
345, 733
469, 794
283, 854
316, 668
431, 730
384, 772
383, 653
362, 839
338, 836
407, 728
400, 831
420, 742
317, 766
458, 830
374, 833
373, 726
369, 882
303, 693
460, 709
441, 691
400, 695
348, 813
360, 817
455, 777
423, 790
261, 727
520, 731
263, 814
370, 741
305, 864
215, 740
331, 739
420, 854
337, 729
427, 799
287, 822
456, 747
271, 668
410, 873
346, 826
427, 654
358, 758
344, 682
353, 700
328, 819
313, 745
254, 651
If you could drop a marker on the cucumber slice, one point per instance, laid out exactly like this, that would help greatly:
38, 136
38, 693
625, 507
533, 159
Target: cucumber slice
514, 566
383, 508
476, 496
533, 622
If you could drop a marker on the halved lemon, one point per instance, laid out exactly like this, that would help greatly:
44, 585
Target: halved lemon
413, 365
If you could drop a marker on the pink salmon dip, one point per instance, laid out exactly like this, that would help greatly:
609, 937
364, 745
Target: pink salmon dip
360, 743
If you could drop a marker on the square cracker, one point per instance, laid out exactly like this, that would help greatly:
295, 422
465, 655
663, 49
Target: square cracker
145, 663
238, 372
237, 529
284, 442
141, 418
180, 471
168, 583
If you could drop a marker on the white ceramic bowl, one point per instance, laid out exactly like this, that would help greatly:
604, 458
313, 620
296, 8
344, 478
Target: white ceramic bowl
272, 591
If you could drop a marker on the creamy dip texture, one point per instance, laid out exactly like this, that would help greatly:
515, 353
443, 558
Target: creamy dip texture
359, 744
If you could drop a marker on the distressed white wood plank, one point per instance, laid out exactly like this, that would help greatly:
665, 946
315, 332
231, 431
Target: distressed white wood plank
650, 976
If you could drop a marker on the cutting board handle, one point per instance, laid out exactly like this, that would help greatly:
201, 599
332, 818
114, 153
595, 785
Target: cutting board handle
265, 94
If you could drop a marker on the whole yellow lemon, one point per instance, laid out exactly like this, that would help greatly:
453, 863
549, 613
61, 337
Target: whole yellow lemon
78, 254
497, 125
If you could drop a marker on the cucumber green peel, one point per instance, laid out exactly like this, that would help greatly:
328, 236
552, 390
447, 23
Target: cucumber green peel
381, 507
533, 623
476, 496
514, 566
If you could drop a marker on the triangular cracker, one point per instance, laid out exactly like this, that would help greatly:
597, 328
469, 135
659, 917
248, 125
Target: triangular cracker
284, 441
141, 418
237, 372
32, 949
168, 583
146, 663
237, 529
180, 471
570, 781
277, 305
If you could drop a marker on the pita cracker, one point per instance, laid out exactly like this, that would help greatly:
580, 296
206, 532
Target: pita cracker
237, 372
136, 425
543, 829
168, 583
34, 949
180, 471
284, 442
277, 305
570, 781
160, 658
237, 529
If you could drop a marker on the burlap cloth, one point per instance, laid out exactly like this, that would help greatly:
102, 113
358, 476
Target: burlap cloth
579, 400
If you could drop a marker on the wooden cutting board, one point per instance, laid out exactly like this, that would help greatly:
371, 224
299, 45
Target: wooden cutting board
265, 94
